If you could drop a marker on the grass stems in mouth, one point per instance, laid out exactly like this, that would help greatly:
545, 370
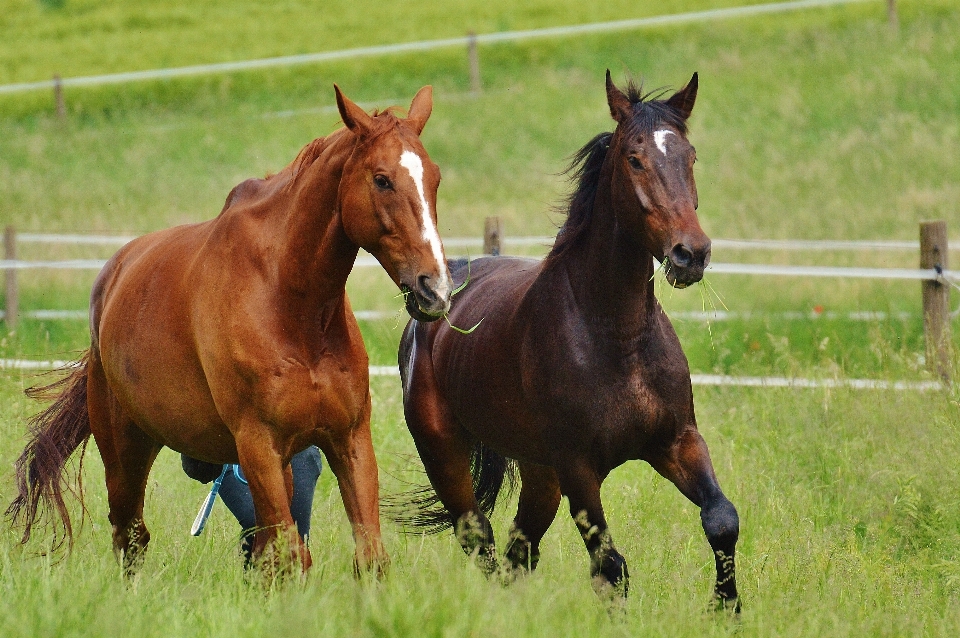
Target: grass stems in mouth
707, 293
453, 294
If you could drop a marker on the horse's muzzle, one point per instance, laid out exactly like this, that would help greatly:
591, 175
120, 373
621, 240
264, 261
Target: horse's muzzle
425, 302
684, 265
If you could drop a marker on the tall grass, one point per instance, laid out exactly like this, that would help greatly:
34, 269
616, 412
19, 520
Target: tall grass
850, 526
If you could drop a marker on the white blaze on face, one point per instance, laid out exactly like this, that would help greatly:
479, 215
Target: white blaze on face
411, 161
659, 137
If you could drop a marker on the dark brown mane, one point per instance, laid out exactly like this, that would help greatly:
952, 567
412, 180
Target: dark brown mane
584, 168
649, 113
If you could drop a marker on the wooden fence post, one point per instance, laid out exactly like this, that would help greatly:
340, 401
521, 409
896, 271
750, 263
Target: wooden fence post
10, 253
58, 97
936, 298
475, 87
492, 234
892, 14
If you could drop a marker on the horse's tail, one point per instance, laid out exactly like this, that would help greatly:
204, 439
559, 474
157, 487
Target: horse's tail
41, 469
421, 511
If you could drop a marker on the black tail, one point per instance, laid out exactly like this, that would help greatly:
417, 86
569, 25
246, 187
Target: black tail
421, 511
41, 469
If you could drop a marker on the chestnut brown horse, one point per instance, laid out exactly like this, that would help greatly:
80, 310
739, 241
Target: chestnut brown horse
575, 368
233, 341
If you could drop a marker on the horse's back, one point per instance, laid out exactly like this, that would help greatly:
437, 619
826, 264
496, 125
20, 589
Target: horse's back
533, 379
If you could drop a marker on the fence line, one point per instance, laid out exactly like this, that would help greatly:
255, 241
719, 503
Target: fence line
713, 316
364, 261
933, 274
547, 241
426, 45
696, 379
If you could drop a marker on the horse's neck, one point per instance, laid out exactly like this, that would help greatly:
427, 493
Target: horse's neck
610, 273
317, 256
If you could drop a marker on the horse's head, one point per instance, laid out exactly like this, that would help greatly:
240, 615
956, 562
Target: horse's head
653, 182
387, 202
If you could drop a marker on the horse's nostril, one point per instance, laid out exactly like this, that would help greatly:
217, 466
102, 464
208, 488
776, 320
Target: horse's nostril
425, 289
681, 256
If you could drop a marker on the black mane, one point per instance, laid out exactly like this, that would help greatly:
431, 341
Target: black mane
649, 113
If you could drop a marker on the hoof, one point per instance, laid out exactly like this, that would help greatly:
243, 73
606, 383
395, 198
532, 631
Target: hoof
726, 605
378, 567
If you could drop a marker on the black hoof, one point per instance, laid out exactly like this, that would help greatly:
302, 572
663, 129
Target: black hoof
726, 605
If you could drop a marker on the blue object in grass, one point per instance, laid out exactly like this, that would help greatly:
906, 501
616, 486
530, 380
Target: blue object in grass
207, 506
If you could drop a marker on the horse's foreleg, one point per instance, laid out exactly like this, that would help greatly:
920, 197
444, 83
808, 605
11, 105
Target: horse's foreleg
127, 454
539, 501
354, 463
271, 486
688, 466
579, 482
445, 453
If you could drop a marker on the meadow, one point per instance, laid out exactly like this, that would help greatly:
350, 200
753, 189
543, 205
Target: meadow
821, 124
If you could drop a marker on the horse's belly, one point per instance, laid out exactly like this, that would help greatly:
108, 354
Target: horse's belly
163, 391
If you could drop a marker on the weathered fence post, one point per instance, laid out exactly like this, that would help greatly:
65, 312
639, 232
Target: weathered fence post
10, 253
936, 298
58, 97
475, 87
492, 234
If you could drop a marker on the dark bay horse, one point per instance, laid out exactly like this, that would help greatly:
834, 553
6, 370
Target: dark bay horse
233, 340
575, 368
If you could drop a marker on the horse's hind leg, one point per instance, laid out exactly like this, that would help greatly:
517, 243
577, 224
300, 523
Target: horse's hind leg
539, 501
688, 466
127, 454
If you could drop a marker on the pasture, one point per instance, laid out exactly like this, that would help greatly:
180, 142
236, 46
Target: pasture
821, 124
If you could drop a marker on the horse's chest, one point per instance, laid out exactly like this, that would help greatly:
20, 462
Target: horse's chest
330, 394
620, 399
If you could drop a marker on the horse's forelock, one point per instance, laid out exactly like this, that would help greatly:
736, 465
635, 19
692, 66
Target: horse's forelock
384, 121
650, 111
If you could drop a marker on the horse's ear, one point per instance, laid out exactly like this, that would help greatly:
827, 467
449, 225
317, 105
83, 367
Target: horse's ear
420, 108
683, 99
354, 117
620, 108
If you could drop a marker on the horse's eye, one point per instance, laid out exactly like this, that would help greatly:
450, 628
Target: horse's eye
382, 182
635, 163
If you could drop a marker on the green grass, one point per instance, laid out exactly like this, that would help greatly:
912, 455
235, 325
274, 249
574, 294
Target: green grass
85, 37
850, 526
819, 124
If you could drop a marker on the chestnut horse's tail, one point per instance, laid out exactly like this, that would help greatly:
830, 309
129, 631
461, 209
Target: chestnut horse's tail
41, 469
420, 509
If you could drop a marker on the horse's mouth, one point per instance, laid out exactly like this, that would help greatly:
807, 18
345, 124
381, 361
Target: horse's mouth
414, 308
681, 277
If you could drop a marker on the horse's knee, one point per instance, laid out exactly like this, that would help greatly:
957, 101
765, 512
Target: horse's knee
721, 524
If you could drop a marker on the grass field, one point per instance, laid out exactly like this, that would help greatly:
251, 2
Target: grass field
817, 124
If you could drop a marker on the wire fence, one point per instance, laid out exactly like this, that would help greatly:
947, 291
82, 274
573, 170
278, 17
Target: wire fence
425, 45
365, 261
938, 275
715, 380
